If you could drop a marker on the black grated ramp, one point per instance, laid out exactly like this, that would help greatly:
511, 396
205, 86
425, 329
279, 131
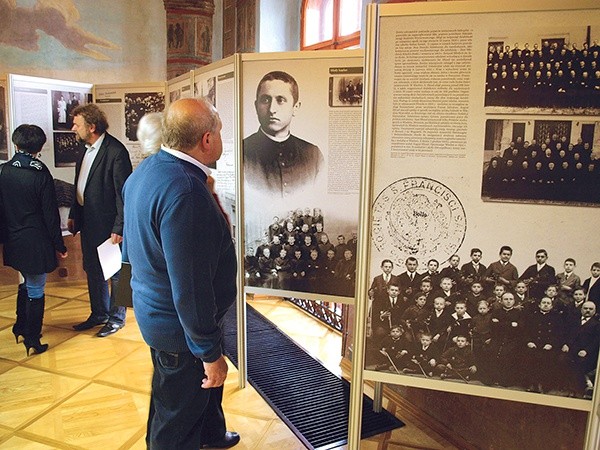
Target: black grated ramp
310, 399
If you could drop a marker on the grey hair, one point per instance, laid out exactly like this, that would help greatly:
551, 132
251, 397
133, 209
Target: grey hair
182, 132
149, 133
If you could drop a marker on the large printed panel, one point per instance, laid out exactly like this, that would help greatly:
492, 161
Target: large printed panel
48, 104
301, 150
124, 106
180, 87
480, 286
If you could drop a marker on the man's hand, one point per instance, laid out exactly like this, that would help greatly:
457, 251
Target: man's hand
216, 372
115, 238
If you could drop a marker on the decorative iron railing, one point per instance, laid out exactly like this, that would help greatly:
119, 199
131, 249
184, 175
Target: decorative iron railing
329, 313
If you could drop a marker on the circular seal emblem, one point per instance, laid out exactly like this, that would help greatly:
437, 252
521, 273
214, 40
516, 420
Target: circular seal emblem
418, 217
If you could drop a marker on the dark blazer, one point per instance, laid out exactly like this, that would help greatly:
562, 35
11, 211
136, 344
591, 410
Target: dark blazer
538, 281
382, 304
280, 167
409, 288
379, 286
593, 294
469, 275
587, 337
102, 213
31, 212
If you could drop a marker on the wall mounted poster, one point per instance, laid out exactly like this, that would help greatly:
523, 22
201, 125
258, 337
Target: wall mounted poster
301, 149
486, 284
179, 87
48, 103
124, 106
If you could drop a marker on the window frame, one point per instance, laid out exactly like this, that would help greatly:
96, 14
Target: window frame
337, 41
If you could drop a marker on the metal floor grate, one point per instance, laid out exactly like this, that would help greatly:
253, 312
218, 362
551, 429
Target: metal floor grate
310, 399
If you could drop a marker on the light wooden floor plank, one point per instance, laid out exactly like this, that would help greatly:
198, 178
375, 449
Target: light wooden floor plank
93, 393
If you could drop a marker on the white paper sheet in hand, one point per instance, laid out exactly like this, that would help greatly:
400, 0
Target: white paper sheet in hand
109, 255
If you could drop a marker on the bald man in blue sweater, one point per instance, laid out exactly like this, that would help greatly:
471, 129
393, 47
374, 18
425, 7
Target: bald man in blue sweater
183, 268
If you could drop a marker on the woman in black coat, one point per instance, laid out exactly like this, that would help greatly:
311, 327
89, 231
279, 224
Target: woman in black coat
34, 238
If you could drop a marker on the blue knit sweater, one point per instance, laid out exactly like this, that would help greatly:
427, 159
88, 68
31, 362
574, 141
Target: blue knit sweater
183, 261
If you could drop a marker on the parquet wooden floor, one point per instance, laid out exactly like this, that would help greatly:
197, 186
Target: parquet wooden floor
92, 393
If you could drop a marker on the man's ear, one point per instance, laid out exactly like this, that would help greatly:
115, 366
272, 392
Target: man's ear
296, 107
205, 141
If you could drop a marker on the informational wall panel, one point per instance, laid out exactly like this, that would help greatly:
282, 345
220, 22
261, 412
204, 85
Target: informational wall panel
485, 187
301, 148
180, 87
48, 104
124, 106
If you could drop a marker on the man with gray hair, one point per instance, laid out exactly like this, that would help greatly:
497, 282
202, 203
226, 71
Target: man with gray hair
183, 268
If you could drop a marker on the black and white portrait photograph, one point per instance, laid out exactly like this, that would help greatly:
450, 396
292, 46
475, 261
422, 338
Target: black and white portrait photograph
301, 229
63, 103
534, 159
174, 95
207, 88
560, 73
296, 253
529, 156
346, 90
276, 160
479, 319
66, 149
138, 104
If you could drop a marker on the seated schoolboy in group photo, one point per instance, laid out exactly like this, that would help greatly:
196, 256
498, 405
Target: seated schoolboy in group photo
424, 357
427, 288
522, 298
457, 361
396, 349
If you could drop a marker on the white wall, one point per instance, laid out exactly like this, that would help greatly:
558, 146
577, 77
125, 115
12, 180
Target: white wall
278, 27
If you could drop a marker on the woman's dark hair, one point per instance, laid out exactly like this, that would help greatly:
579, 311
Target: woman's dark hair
29, 138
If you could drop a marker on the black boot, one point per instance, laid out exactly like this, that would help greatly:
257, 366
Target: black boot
20, 325
35, 316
